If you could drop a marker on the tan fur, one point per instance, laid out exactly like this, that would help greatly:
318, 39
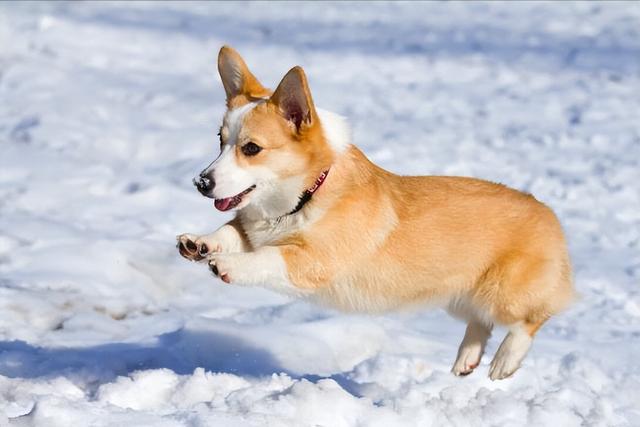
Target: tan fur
239, 83
387, 241
374, 241
284, 151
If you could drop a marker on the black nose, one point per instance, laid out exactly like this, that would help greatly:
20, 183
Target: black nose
204, 184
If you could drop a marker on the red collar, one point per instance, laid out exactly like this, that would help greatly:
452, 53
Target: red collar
318, 182
306, 196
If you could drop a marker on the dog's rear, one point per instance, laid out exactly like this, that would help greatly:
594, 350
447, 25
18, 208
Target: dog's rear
488, 253
317, 218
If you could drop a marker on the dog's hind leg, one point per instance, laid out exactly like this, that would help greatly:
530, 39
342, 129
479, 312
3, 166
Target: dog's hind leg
513, 349
471, 348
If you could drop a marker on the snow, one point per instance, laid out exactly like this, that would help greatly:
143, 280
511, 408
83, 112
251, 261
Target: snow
107, 111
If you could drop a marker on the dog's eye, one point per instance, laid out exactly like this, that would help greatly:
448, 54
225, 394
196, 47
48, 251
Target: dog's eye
251, 149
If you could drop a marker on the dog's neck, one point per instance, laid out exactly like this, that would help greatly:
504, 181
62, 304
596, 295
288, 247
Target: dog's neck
285, 201
308, 193
267, 221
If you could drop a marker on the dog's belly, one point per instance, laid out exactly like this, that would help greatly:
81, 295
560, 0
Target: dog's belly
376, 294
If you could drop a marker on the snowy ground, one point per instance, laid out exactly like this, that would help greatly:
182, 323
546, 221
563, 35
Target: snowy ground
108, 110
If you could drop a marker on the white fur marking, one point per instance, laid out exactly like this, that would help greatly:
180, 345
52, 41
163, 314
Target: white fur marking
275, 198
471, 348
511, 352
229, 178
226, 239
264, 267
233, 120
336, 130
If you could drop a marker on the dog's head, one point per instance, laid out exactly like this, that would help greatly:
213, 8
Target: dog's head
272, 145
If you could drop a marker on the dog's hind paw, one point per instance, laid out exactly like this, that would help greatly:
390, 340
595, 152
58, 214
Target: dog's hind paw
463, 368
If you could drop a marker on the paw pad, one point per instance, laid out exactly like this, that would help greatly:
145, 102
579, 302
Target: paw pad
192, 247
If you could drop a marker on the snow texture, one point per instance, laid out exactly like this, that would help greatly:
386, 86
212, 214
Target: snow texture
107, 111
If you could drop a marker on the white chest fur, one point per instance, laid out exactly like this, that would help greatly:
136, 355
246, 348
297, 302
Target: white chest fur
266, 232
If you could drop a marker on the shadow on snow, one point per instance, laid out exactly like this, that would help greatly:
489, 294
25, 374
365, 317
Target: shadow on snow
180, 351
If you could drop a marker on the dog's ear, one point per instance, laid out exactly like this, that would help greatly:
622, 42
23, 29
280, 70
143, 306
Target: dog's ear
293, 98
236, 77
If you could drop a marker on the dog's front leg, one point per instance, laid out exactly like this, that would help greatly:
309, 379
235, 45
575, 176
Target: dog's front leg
264, 267
226, 239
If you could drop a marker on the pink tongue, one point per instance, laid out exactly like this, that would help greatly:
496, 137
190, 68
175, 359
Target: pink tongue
223, 204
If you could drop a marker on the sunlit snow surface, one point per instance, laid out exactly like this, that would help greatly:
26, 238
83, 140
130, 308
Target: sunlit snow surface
108, 110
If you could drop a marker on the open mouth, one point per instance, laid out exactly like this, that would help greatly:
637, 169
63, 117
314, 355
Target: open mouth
231, 202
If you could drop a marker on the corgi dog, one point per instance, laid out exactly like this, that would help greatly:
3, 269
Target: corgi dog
315, 218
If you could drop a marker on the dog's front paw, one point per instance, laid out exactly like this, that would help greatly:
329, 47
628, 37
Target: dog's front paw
195, 248
223, 266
